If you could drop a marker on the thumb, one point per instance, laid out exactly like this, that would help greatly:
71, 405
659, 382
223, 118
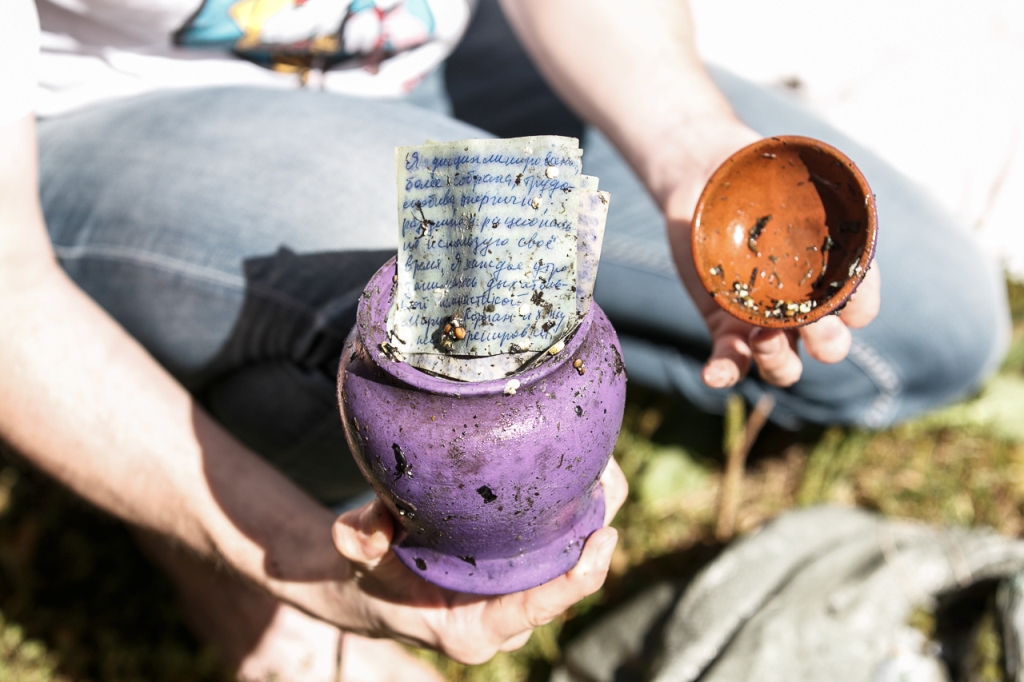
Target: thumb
363, 535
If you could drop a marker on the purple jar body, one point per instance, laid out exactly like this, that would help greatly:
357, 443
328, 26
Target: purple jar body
493, 493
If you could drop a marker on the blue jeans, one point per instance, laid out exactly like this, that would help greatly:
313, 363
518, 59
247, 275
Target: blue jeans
231, 231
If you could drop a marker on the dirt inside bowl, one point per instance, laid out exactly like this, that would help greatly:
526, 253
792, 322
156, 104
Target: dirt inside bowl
784, 232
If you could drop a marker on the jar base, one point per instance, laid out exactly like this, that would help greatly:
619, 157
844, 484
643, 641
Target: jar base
505, 575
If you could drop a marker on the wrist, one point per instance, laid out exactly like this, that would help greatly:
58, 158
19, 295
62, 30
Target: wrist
267, 530
676, 167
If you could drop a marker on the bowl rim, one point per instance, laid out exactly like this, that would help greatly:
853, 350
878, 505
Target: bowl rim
842, 295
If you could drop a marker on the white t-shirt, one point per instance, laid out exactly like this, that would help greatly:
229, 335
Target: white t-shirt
96, 50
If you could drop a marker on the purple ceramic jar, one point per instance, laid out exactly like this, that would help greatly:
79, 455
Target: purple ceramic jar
493, 493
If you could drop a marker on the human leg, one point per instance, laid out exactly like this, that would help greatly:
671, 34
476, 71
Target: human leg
231, 232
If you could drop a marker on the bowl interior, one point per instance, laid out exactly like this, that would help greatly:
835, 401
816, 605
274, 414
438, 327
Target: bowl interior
784, 231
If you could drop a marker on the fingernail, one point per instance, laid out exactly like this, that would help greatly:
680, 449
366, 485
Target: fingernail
600, 558
605, 549
717, 375
368, 519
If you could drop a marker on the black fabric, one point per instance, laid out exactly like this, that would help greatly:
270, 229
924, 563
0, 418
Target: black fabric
523, 104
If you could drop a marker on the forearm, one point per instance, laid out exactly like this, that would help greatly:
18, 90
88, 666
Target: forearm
85, 402
82, 401
632, 70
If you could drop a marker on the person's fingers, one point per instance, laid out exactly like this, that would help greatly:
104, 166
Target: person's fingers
615, 489
543, 604
486, 626
827, 340
363, 535
865, 303
729, 361
505, 623
510, 616
776, 358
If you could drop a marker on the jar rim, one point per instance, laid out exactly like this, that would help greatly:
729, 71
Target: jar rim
371, 327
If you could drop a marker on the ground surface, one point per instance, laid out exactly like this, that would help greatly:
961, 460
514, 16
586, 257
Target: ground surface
78, 601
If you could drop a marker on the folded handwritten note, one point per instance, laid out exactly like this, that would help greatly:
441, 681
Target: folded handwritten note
498, 250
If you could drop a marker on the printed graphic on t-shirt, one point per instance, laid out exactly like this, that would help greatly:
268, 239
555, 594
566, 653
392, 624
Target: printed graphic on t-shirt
300, 34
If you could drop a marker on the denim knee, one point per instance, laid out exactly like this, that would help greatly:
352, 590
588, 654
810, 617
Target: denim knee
928, 347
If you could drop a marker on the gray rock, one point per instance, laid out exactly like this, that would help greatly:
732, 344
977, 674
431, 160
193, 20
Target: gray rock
817, 594
614, 650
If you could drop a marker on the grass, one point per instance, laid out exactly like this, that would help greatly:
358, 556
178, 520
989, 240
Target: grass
79, 602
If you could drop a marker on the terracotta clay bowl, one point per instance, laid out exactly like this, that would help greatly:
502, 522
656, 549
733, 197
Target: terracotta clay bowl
494, 485
784, 232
